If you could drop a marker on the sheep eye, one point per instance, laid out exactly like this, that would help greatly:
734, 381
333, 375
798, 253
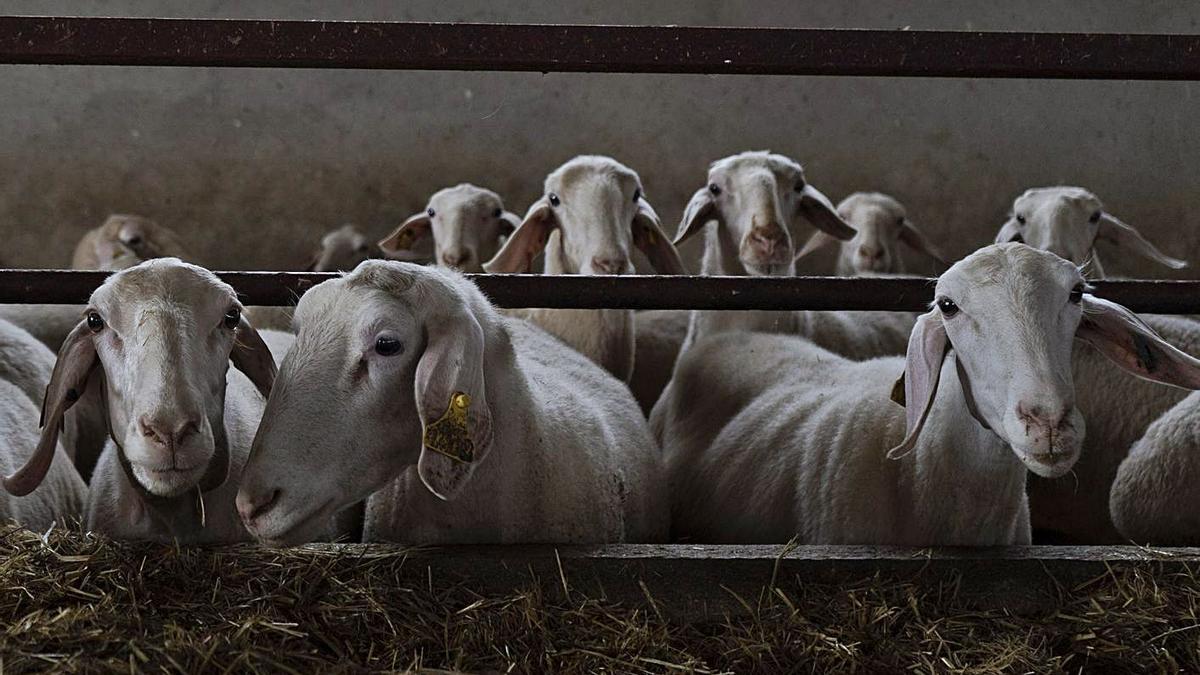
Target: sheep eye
388, 346
637, 194
714, 188
1095, 218
799, 187
94, 322
1076, 296
554, 200
430, 212
232, 318
135, 240
947, 306
497, 213
1021, 219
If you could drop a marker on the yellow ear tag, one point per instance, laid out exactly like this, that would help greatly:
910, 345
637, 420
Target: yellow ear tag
448, 434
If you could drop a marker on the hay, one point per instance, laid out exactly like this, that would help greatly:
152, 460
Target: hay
74, 602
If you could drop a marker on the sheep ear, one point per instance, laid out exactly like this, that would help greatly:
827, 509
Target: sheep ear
1128, 342
1126, 236
818, 210
76, 361
509, 222
927, 347
253, 357
409, 233
699, 211
456, 423
915, 239
816, 242
649, 237
1010, 231
526, 242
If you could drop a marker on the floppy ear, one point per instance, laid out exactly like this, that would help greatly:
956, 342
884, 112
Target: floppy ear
649, 237
927, 347
1128, 342
76, 361
509, 222
818, 210
526, 242
816, 242
253, 357
409, 233
699, 211
1125, 236
917, 241
1010, 231
456, 423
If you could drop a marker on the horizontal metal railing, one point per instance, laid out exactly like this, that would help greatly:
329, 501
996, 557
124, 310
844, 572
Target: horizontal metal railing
626, 292
612, 49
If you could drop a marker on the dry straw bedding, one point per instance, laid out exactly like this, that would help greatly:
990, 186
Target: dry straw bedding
74, 602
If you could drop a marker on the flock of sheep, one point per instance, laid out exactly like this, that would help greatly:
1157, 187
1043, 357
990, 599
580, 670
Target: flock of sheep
397, 404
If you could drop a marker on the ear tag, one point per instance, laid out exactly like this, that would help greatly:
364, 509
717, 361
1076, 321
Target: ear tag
449, 435
898, 392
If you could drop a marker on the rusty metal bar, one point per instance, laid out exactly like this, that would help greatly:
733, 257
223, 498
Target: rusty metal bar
628, 292
608, 49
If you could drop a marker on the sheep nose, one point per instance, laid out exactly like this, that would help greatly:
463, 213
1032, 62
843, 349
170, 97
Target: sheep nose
251, 506
455, 258
1042, 416
870, 252
603, 265
168, 432
767, 238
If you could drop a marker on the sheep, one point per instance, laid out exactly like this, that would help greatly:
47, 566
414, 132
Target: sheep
882, 224
466, 223
25, 368
1068, 221
124, 240
416, 379
593, 209
807, 433
658, 336
757, 201
62, 494
156, 341
1152, 495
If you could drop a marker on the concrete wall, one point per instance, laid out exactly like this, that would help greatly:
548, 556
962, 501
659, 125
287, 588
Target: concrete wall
250, 165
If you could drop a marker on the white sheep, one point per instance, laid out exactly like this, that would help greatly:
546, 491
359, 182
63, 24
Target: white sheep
756, 202
1068, 221
767, 437
25, 368
593, 211
404, 375
59, 495
1153, 495
882, 224
156, 342
124, 240
466, 223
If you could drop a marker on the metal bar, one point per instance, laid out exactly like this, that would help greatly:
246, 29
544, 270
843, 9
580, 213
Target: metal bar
608, 49
627, 292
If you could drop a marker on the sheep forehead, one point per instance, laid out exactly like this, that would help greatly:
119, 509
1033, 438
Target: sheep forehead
589, 170
117, 221
413, 285
872, 208
1020, 272
346, 235
465, 198
164, 282
1055, 198
756, 160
